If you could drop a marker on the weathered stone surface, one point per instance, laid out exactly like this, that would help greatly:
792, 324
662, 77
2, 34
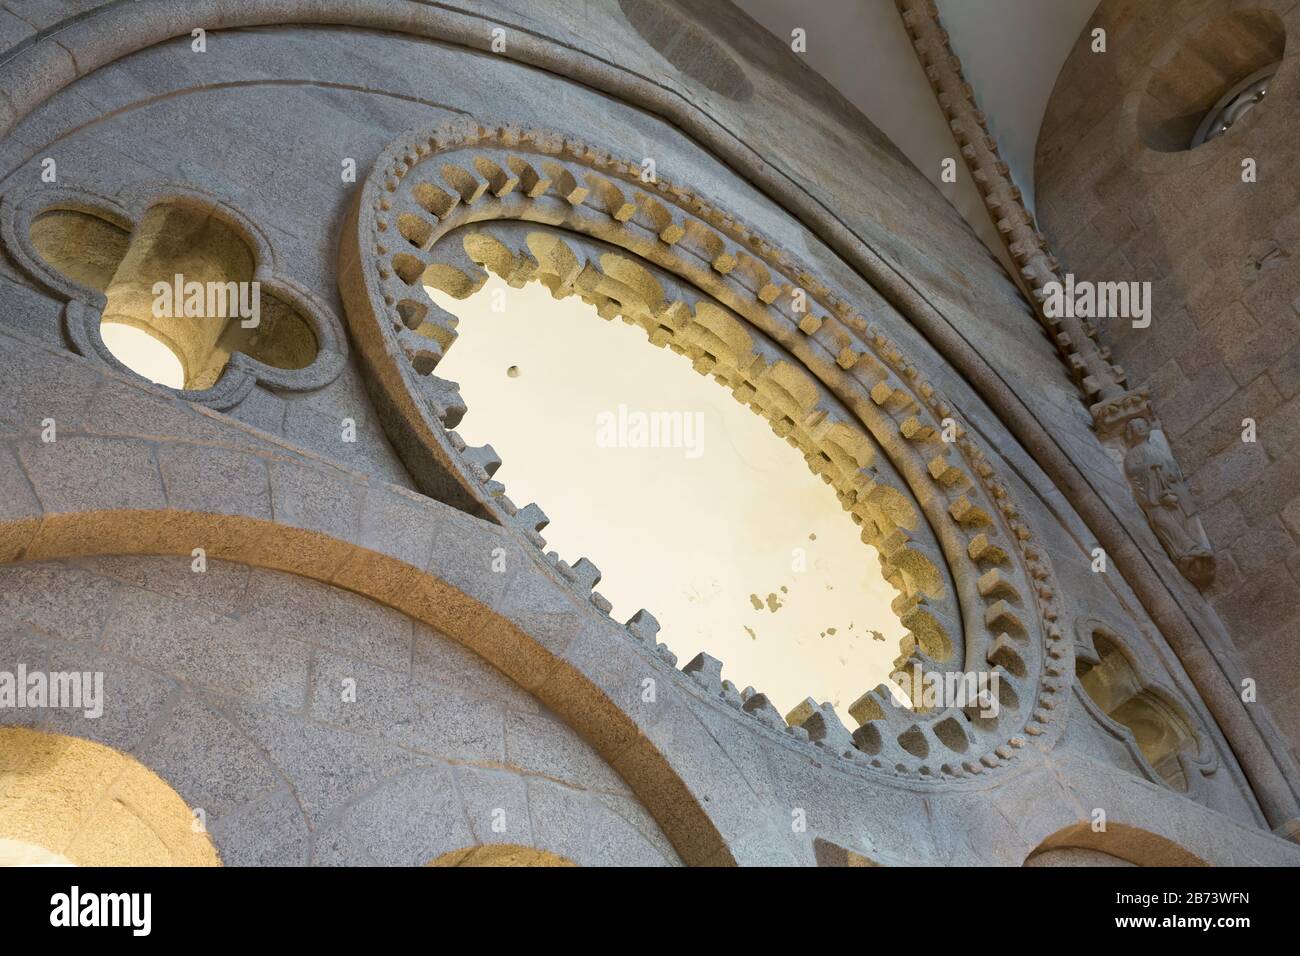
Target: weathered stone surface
220, 587
56, 599
480, 690
419, 717
69, 474
19, 648
411, 820
1217, 250
496, 805
535, 743
208, 650
214, 764
268, 832
125, 713
440, 660
199, 478
19, 509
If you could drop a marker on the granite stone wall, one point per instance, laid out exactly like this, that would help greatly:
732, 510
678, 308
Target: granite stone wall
326, 564
1122, 197
311, 725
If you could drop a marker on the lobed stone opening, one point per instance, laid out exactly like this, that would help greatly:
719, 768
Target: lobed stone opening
186, 277
1161, 728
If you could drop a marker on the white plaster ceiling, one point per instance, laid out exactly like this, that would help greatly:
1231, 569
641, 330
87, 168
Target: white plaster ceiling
1011, 51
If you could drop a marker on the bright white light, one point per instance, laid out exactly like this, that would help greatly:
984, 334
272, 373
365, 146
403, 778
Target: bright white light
143, 354
688, 536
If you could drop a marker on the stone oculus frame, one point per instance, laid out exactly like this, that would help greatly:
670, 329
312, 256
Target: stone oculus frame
85, 308
586, 224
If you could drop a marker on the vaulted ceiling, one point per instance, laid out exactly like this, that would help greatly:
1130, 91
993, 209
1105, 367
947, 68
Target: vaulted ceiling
1011, 51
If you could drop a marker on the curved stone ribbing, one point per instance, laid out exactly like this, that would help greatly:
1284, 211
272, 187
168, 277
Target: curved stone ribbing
470, 177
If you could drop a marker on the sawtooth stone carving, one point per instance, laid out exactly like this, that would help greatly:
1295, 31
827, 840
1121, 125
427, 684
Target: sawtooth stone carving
1162, 492
443, 206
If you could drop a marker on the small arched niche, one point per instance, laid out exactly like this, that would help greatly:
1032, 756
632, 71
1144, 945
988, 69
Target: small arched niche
1160, 728
66, 800
181, 291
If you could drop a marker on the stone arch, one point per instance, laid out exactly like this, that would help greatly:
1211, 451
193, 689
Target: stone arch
85, 803
1165, 741
1120, 842
530, 629
500, 854
102, 35
304, 723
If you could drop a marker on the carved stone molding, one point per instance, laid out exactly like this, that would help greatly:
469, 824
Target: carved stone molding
1075, 338
1110, 417
1196, 758
1103, 385
443, 206
84, 311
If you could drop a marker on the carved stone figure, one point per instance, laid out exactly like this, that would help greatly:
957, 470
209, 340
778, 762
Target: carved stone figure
1161, 490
